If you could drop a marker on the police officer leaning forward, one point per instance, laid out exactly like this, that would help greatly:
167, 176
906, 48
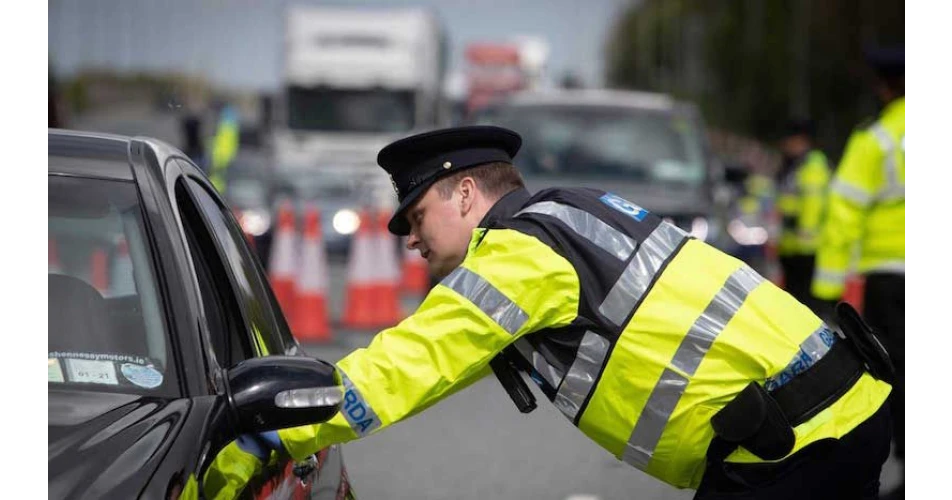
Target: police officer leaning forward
676, 358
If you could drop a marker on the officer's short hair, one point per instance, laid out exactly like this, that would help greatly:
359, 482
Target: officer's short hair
494, 179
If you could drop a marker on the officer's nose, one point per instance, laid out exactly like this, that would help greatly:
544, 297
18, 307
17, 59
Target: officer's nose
412, 240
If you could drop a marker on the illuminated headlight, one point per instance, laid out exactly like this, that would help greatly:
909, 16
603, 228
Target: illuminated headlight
699, 228
254, 222
747, 235
346, 221
311, 397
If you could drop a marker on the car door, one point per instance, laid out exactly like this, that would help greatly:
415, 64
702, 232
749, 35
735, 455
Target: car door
244, 320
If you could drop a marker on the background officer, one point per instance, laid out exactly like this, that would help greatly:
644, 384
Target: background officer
867, 217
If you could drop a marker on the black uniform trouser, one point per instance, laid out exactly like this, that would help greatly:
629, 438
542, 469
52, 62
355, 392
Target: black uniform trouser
798, 276
847, 468
884, 308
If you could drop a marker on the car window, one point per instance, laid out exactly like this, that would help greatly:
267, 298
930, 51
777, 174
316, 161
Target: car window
263, 320
222, 313
107, 330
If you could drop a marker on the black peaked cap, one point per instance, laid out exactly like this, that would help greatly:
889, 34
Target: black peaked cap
416, 162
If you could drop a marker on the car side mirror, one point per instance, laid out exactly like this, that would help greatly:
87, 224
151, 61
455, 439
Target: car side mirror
277, 392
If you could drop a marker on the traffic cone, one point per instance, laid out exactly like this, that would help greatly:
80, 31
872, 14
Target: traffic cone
282, 261
310, 307
122, 281
359, 309
54, 262
99, 270
853, 294
386, 295
416, 276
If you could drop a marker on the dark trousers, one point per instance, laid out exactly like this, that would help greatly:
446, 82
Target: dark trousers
884, 309
843, 469
797, 277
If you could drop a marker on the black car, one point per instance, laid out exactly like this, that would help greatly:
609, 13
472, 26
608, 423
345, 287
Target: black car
165, 339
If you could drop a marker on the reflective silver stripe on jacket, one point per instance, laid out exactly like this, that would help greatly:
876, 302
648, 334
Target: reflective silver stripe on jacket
356, 410
671, 386
893, 266
587, 226
489, 300
893, 189
836, 277
580, 379
633, 283
851, 192
551, 375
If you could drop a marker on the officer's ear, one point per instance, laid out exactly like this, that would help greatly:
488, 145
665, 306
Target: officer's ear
467, 194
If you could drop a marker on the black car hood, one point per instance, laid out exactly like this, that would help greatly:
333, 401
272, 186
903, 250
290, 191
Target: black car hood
659, 198
105, 445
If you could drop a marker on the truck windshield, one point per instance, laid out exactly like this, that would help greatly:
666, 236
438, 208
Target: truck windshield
336, 110
604, 142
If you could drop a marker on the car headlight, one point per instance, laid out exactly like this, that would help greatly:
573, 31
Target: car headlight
254, 221
747, 235
346, 221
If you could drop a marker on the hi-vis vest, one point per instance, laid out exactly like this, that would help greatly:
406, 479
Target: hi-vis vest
802, 202
867, 205
635, 331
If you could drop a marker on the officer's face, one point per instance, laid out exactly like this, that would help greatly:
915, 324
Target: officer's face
440, 230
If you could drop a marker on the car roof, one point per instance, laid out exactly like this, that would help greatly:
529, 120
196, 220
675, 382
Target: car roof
594, 97
98, 154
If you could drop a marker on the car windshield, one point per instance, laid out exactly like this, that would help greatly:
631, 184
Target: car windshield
106, 327
366, 111
603, 142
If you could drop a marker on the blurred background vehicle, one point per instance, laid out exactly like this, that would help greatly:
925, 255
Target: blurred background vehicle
645, 147
151, 310
354, 79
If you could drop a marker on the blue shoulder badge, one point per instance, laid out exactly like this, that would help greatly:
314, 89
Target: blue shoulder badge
624, 206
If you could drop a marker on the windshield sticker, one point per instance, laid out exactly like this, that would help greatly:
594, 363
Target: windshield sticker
93, 372
55, 371
624, 206
142, 376
95, 356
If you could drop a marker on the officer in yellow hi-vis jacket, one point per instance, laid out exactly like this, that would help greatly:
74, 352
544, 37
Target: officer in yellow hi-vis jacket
867, 213
802, 181
673, 356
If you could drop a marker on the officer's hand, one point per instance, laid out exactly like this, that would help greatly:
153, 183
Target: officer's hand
260, 444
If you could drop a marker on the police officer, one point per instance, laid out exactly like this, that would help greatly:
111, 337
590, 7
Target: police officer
867, 210
673, 356
802, 181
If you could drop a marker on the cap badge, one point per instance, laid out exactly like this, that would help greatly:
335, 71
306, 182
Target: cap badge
447, 164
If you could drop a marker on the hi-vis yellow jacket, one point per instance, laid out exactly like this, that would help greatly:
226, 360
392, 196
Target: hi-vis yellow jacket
802, 201
867, 205
635, 331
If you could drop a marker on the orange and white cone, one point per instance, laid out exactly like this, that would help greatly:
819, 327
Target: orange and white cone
359, 308
99, 270
310, 322
54, 262
282, 262
387, 286
121, 280
416, 276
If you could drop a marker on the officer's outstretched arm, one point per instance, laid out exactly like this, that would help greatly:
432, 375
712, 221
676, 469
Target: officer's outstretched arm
509, 284
854, 186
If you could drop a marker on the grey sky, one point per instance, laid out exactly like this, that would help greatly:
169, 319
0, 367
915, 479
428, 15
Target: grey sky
237, 42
